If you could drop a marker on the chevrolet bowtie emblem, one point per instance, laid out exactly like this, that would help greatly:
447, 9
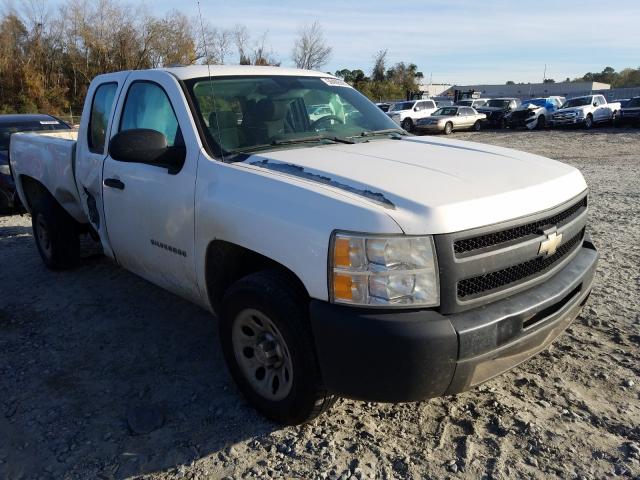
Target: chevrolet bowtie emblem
549, 246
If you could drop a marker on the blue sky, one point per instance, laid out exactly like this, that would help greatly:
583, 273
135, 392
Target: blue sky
455, 41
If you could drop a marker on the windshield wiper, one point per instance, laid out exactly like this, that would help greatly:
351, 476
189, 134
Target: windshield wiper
312, 138
289, 141
386, 131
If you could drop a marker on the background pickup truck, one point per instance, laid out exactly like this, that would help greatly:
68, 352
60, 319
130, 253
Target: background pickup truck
586, 111
342, 256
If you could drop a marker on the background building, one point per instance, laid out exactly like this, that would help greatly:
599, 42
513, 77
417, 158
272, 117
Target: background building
528, 90
434, 89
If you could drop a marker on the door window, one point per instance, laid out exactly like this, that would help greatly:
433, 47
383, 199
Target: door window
147, 106
99, 118
429, 105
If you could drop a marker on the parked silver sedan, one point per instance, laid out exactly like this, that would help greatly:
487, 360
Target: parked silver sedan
448, 119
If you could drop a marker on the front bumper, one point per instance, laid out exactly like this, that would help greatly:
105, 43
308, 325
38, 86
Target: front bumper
522, 122
430, 127
494, 120
567, 121
411, 355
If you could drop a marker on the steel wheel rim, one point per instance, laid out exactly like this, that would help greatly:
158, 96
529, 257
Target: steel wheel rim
262, 354
42, 236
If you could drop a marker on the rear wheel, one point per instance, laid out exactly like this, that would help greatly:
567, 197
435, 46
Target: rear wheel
477, 126
267, 342
55, 233
407, 124
448, 128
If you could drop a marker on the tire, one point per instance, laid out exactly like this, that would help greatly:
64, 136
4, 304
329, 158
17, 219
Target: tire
55, 233
266, 334
588, 122
615, 119
477, 126
541, 123
407, 124
502, 124
448, 128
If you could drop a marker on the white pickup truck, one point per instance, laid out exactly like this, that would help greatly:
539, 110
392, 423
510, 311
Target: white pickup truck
586, 111
342, 256
406, 114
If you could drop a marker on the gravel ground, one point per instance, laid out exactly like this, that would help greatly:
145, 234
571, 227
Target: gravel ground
103, 375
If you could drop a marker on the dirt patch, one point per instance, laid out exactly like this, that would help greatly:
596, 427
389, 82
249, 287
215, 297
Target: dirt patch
79, 350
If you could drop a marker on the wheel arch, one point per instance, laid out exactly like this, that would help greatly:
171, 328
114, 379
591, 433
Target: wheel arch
227, 262
32, 189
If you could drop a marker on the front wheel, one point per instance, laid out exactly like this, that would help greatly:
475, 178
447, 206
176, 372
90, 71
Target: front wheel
542, 122
588, 122
55, 233
268, 345
448, 128
407, 124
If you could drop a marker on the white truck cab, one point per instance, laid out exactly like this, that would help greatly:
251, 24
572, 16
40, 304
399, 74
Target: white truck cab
342, 256
406, 114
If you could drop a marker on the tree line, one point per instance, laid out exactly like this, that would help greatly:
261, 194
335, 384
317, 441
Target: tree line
627, 77
49, 57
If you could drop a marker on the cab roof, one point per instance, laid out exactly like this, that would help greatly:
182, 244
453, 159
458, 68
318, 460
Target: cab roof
200, 71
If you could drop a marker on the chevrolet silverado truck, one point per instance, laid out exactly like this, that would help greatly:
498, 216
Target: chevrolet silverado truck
586, 112
342, 256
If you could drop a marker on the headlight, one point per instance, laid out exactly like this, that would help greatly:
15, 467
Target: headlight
4, 170
383, 270
579, 113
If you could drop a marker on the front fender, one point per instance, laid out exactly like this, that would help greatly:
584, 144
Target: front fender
282, 217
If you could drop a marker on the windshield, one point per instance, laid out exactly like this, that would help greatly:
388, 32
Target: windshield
498, 103
7, 129
448, 111
262, 112
634, 102
538, 102
401, 106
577, 102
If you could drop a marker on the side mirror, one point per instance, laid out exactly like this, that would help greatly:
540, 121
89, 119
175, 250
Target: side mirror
143, 145
595, 104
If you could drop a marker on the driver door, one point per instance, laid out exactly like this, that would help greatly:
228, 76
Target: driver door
149, 211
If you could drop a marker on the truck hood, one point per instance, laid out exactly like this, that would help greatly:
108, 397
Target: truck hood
432, 186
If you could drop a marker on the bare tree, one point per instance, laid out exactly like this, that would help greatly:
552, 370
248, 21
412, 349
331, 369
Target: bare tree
310, 50
379, 66
241, 39
261, 55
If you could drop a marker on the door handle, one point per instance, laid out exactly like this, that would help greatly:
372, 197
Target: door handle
113, 183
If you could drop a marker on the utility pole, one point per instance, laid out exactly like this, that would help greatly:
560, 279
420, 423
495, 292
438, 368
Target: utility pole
544, 75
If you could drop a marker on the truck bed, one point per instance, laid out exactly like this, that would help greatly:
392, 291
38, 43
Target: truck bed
48, 157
